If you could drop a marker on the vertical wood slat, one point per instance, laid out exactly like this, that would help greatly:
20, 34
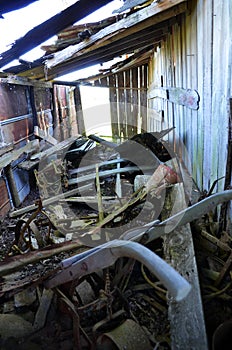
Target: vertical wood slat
135, 98
121, 106
128, 100
129, 94
113, 107
143, 97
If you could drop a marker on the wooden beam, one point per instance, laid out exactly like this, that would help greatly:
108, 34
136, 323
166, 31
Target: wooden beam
16, 80
12, 5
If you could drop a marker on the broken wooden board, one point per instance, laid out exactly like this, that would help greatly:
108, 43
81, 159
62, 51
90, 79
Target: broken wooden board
61, 146
186, 317
15, 263
41, 314
185, 97
9, 157
46, 137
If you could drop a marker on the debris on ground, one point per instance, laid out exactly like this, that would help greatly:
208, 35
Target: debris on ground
63, 284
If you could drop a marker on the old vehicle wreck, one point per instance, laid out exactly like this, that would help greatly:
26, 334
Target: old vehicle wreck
115, 187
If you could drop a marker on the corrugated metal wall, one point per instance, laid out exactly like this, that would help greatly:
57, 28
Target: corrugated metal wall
197, 55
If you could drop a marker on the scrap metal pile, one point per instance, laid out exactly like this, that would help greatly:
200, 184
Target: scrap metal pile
92, 255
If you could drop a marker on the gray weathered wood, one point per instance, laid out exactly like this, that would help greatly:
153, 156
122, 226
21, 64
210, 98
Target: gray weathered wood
186, 317
61, 146
185, 97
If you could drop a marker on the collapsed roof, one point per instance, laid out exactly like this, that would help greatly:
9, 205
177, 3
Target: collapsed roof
134, 33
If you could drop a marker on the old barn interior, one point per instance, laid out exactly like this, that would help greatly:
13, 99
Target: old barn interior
115, 182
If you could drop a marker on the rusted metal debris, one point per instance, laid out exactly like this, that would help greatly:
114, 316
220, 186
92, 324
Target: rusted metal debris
126, 270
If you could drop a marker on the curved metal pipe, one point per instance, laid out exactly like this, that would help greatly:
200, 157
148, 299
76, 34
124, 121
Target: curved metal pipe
169, 277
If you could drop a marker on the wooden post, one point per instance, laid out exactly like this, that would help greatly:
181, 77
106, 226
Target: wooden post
186, 317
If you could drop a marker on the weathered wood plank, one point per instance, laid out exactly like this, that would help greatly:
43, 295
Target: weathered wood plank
186, 317
79, 111
16, 80
56, 148
89, 199
113, 108
121, 106
185, 97
92, 166
128, 100
135, 95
